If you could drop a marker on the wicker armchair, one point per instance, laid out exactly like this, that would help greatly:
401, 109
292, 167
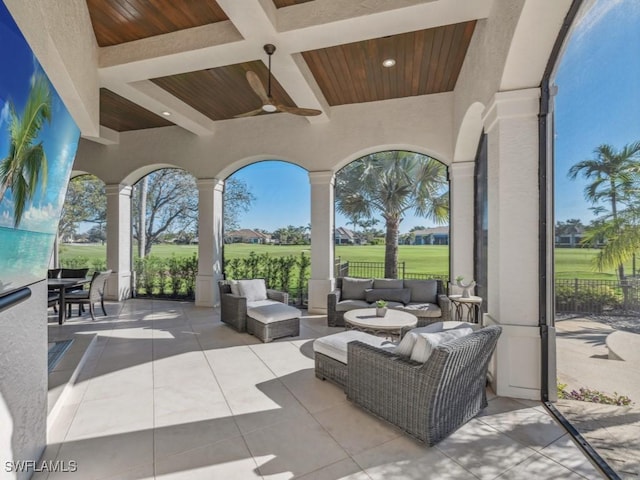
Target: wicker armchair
428, 401
233, 308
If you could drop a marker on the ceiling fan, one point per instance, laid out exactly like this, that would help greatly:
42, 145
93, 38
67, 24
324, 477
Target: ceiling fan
268, 104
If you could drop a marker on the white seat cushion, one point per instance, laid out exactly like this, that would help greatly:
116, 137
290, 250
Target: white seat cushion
273, 312
335, 346
262, 303
346, 305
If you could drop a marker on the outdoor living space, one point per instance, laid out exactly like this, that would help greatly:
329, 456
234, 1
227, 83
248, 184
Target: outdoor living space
169, 391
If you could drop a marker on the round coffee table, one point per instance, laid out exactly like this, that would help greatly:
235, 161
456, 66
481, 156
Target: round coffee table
365, 320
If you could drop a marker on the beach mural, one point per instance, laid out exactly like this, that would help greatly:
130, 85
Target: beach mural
38, 142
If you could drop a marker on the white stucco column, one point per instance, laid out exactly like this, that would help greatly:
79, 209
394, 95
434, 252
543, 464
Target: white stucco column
118, 241
322, 255
512, 126
210, 202
461, 236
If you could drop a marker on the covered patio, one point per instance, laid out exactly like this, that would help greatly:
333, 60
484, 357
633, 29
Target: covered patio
168, 391
467, 90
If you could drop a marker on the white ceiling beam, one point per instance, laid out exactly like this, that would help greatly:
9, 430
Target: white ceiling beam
106, 136
157, 100
307, 27
183, 51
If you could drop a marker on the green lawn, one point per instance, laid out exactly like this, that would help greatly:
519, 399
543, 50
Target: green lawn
570, 262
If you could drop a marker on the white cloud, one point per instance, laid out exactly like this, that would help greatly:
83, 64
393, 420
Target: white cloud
4, 114
40, 219
6, 220
594, 14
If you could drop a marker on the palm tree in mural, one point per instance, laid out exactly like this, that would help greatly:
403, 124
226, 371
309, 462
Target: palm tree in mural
613, 174
25, 166
392, 184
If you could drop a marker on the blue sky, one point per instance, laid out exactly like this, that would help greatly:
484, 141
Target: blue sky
598, 98
598, 102
59, 138
288, 203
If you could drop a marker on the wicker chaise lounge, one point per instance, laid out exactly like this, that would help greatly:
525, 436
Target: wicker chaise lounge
428, 401
267, 317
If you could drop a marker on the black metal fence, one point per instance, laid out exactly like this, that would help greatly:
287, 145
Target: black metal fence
376, 270
598, 296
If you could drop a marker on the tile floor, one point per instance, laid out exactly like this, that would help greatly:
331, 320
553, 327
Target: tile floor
169, 392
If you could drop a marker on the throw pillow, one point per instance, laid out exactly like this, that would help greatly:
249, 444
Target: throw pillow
405, 347
401, 295
354, 288
235, 288
427, 342
423, 291
253, 290
387, 283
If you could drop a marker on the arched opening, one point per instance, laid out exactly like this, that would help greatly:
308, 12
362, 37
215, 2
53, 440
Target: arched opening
597, 292
267, 231
82, 228
392, 217
164, 220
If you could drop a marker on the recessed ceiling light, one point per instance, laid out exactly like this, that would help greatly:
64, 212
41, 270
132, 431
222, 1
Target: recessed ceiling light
166, 114
389, 62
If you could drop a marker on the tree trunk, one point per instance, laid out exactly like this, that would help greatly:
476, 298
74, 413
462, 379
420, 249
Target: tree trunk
391, 248
142, 219
614, 212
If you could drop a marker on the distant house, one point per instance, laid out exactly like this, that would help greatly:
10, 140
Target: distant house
570, 239
431, 236
344, 236
246, 235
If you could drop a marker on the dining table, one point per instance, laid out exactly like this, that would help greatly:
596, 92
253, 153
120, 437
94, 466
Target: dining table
61, 285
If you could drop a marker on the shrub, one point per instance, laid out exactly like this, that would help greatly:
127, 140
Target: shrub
586, 298
593, 396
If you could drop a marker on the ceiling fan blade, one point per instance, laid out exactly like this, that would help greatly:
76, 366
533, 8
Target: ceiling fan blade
249, 114
306, 112
257, 86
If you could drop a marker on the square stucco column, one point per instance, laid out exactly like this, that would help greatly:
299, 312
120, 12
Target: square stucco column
511, 122
322, 256
462, 218
118, 241
210, 201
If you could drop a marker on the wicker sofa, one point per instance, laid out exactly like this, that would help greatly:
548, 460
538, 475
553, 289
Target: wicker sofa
425, 299
426, 400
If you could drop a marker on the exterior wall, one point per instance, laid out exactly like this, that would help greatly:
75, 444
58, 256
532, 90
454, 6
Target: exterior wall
421, 124
23, 380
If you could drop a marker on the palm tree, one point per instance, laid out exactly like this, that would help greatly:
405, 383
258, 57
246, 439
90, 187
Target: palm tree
391, 184
612, 173
25, 166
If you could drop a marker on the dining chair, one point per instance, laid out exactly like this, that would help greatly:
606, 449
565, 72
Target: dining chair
91, 296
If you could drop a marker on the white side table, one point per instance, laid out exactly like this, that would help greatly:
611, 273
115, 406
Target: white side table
466, 309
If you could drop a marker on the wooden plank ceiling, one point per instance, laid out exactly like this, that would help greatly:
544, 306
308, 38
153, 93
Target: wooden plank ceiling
427, 61
223, 92
120, 21
119, 114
